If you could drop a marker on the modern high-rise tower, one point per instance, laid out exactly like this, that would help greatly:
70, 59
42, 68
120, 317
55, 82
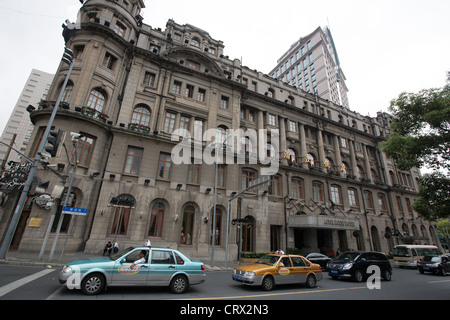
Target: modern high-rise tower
312, 64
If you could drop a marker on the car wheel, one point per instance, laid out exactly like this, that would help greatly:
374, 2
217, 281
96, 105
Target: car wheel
93, 284
441, 272
268, 283
179, 284
357, 276
421, 270
387, 275
310, 281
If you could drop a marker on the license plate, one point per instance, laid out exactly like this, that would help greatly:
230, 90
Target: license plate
334, 271
239, 278
426, 268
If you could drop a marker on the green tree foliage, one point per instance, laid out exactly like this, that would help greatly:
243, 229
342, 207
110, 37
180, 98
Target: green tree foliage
420, 137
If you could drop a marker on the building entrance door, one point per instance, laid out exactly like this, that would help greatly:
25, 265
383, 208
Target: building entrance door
325, 242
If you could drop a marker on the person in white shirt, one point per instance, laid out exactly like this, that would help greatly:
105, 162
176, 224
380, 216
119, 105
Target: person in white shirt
140, 260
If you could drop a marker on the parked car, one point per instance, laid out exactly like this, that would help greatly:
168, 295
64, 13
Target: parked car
320, 259
274, 269
435, 264
354, 264
134, 266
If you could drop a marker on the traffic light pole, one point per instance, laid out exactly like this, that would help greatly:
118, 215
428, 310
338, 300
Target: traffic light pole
23, 197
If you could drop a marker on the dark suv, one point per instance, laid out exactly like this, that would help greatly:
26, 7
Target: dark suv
354, 264
435, 264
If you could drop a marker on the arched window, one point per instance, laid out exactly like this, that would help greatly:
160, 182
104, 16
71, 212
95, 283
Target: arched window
221, 135
97, 100
121, 218
156, 220
195, 43
67, 92
141, 115
187, 225
218, 230
310, 160
248, 235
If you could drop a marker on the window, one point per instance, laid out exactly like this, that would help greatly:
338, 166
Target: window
336, 195
195, 43
162, 257
221, 175
169, 122
368, 201
292, 126
189, 92
224, 102
297, 188
317, 191
399, 205
193, 65
198, 130
217, 232
275, 185
194, 172
184, 122
133, 161
177, 36
109, 61
382, 202
165, 162
67, 92
84, 146
141, 116
156, 220
343, 142
176, 89
201, 95
187, 225
149, 79
352, 197
96, 100
120, 29
247, 177
271, 119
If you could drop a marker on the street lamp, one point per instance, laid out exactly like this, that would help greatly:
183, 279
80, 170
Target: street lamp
23, 197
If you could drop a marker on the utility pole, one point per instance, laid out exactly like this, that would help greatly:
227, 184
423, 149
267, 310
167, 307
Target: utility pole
67, 58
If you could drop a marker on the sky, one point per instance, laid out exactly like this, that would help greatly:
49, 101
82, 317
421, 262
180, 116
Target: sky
385, 47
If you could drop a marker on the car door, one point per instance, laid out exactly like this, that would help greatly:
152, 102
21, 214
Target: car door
446, 263
284, 272
162, 267
299, 269
124, 274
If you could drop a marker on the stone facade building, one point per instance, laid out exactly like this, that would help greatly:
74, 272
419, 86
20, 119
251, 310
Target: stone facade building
133, 85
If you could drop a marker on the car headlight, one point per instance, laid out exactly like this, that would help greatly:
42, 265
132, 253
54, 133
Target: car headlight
67, 269
347, 266
249, 274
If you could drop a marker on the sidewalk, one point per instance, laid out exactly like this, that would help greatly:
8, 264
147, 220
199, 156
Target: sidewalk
31, 259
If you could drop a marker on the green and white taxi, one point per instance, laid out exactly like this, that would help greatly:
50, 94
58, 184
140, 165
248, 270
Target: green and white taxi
134, 266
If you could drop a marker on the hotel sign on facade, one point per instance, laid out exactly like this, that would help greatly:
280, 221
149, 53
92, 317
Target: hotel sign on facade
323, 222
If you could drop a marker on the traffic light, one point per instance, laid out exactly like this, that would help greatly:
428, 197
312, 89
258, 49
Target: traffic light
53, 140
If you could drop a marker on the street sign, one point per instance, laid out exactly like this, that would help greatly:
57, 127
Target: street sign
74, 211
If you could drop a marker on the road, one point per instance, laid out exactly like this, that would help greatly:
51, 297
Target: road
33, 283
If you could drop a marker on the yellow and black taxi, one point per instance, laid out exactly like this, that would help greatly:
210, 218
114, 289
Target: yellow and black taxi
274, 269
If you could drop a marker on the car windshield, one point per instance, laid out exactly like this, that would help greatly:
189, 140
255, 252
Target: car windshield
432, 259
269, 260
119, 254
349, 256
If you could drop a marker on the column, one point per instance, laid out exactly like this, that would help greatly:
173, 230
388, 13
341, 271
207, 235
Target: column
303, 151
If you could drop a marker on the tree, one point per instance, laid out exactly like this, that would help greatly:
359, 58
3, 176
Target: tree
420, 137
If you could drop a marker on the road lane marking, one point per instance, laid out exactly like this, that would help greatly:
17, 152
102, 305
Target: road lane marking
439, 281
273, 294
17, 284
